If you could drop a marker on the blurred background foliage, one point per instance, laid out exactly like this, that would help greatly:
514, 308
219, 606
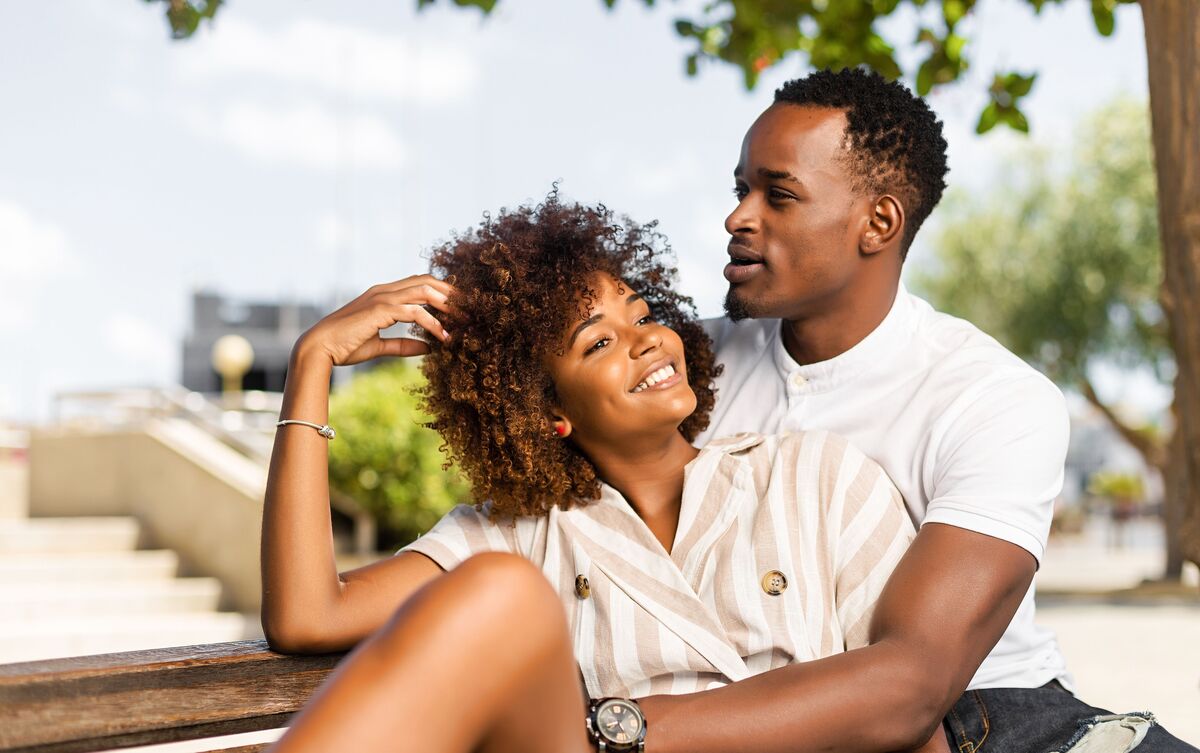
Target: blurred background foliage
1061, 261
754, 35
385, 458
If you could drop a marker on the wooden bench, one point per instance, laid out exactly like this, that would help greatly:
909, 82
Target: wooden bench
96, 703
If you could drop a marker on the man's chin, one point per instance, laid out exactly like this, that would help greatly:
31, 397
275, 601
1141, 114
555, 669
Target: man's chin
738, 308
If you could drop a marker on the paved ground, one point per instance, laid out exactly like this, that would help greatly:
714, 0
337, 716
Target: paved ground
1135, 649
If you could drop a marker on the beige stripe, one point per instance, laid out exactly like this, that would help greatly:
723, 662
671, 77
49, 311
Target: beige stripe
648, 643
605, 664
721, 597
717, 488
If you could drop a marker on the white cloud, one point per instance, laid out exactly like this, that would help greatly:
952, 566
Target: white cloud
306, 135
32, 253
141, 342
337, 58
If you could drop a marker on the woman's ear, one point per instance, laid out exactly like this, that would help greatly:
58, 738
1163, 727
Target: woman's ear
560, 425
884, 226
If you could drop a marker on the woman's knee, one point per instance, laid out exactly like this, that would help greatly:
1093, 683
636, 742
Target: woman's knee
493, 592
509, 584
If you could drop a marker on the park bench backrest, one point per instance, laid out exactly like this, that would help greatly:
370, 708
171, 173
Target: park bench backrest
96, 703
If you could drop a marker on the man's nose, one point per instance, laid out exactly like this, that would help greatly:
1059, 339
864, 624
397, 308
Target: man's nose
743, 218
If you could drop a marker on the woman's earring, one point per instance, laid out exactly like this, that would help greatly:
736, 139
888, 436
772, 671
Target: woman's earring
560, 430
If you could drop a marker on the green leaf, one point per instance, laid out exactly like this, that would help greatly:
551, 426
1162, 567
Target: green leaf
1102, 14
1017, 85
988, 118
925, 78
954, 46
953, 11
1016, 120
692, 64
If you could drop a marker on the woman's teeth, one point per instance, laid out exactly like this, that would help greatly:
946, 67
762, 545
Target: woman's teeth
655, 378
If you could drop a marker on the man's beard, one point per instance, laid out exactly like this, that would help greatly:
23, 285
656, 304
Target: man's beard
736, 308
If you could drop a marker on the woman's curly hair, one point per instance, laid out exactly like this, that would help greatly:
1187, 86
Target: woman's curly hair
522, 277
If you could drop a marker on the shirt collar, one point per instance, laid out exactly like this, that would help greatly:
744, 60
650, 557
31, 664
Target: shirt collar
885, 340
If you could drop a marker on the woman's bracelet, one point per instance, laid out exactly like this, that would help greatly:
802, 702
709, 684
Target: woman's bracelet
324, 430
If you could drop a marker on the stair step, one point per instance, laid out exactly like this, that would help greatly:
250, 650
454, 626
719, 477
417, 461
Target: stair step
49, 535
88, 567
49, 638
31, 601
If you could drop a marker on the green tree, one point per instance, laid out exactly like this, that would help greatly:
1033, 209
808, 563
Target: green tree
757, 34
384, 457
1062, 264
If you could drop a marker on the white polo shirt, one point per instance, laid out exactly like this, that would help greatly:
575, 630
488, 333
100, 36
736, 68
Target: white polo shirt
971, 435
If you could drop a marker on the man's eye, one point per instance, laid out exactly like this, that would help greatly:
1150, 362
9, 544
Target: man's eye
740, 192
777, 194
596, 345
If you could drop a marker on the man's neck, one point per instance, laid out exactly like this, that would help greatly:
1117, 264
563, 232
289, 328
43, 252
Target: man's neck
829, 334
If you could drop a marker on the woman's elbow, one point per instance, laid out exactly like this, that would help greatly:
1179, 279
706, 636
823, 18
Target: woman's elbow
292, 637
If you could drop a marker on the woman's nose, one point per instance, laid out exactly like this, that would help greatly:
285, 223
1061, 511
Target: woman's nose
649, 340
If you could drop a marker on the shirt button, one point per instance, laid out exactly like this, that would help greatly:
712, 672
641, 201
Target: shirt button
774, 582
583, 589
799, 380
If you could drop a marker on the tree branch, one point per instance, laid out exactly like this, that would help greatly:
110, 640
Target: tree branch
1153, 453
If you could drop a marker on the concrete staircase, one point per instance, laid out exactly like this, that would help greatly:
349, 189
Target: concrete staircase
76, 586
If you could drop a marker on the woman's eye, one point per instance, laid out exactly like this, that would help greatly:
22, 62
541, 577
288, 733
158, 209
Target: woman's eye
596, 345
647, 319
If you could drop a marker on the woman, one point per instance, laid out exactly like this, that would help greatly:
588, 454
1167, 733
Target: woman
567, 383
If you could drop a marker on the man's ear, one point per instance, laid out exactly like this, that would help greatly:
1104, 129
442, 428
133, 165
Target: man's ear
885, 225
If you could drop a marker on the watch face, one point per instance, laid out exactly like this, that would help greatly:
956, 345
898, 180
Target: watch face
619, 722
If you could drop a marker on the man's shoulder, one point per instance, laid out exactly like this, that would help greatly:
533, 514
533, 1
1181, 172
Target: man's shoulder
958, 349
974, 374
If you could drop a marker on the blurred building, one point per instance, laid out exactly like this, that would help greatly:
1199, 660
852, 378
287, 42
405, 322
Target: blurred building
271, 328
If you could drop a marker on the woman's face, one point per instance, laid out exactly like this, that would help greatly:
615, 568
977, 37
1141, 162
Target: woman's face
621, 374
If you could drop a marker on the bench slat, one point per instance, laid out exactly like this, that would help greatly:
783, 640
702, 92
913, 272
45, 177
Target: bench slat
162, 695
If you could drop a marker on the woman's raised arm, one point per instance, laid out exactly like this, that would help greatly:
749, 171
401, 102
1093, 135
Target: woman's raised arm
307, 607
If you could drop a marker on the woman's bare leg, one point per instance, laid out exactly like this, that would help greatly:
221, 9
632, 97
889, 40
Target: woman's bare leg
478, 659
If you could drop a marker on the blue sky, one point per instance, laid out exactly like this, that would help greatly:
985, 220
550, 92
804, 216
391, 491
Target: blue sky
308, 150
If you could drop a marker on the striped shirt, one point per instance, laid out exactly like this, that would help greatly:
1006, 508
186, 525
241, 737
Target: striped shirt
807, 506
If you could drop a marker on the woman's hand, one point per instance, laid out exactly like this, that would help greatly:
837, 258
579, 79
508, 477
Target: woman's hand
350, 335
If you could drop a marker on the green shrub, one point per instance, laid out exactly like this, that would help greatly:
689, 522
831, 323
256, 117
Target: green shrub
385, 458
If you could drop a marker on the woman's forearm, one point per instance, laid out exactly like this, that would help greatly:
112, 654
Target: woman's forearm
299, 573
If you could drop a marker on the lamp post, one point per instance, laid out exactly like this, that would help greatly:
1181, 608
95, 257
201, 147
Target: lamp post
232, 356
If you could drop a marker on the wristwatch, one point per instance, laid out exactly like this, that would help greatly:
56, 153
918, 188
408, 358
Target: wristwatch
616, 724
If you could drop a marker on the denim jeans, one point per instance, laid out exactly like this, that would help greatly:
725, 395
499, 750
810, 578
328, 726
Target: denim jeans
1049, 719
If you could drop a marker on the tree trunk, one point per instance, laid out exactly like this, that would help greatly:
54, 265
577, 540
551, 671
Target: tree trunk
1173, 54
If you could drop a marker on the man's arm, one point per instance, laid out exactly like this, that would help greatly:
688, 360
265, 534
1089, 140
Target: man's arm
946, 605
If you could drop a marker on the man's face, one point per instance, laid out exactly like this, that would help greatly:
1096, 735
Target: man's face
794, 236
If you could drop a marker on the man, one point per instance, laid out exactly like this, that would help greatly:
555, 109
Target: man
833, 181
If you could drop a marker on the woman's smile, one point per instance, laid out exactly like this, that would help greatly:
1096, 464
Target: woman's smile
659, 378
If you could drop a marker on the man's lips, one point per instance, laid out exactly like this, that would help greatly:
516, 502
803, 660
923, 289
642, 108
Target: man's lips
744, 263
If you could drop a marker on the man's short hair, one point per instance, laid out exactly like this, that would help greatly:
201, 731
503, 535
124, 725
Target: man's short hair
894, 140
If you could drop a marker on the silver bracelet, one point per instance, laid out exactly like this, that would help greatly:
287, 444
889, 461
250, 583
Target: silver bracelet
324, 430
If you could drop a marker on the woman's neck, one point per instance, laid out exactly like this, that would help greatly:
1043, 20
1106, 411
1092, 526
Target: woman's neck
649, 474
